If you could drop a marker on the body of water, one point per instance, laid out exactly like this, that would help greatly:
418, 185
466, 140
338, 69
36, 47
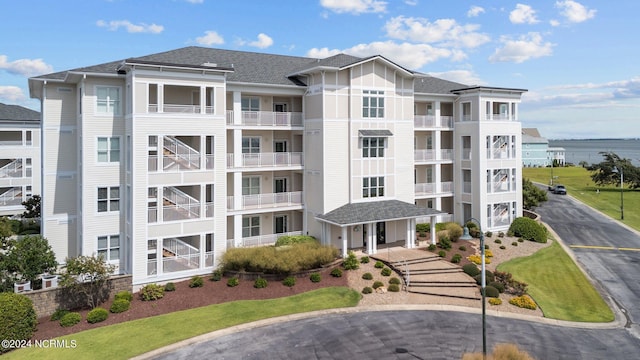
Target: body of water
588, 150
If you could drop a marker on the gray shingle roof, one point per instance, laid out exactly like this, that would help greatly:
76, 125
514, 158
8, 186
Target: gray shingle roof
433, 85
9, 113
374, 211
375, 132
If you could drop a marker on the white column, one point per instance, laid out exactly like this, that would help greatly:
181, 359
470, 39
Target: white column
437, 144
203, 99
237, 190
374, 239
370, 238
344, 241
160, 98
237, 148
237, 230
436, 113
408, 242
433, 230
237, 108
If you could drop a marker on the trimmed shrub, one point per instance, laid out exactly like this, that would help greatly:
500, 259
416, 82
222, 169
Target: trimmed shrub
431, 247
455, 231
282, 260
462, 248
364, 260
528, 229
233, 282
497, 241
498, 285
367, 276
423, 227
216, 275
501, 234
378, 284
488, 234
471, 269
488, 253
524, 302
477, 259
336, 272
260, 283
520, 240
70, 319
367, 290
442, 253
515, 243
395, 280
491, 292
289, 281
456, 258
315, 277
294, 239
444, 242
97, 315
124, 294
151, 292
351, 262
495, 301
120, 305
17, 318
58, 314
502, 247
379, 265
386, 272
511, 286
393, 288
489, 277
196, 282
170, 287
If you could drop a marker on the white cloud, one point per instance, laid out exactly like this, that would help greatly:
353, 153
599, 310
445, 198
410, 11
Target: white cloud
264, 41
195, 1
446, 32
322, 53
523, 14
130, 27
574, 12
354, 6
11, 94
475, 11
460, 76
554, 23
25, 67
526, 47
210, 38
411, 2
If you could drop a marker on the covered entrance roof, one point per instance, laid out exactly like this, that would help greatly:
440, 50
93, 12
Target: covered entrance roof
375, 211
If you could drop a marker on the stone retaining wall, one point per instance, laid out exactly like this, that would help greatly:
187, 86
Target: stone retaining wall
47, 301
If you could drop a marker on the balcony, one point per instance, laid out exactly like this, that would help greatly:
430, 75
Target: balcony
265, 201
259, 160
180, 109
428, 155
267, 118
13, 169
260, 240
431, 121
425, 189
11, 196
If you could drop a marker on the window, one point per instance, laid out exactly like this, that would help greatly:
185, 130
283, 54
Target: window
373, 147
373, 186
372, 103
250, 145
251, 185
108, 100
108, 199
109, 247
108, 149
250, 104
250, 226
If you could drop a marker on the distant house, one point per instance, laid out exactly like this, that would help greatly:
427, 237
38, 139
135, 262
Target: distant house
556, 154
534, 149
19, 157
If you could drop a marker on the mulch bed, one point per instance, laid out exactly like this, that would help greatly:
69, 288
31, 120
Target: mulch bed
187, 298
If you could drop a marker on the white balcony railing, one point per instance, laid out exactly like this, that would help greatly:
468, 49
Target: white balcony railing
11, 197
266, 118
431, 121
270, 200
12, 169
267, 159
178, 108
433, 188
432, 155
260, 240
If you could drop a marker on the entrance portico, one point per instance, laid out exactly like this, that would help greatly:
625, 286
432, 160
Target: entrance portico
368, 224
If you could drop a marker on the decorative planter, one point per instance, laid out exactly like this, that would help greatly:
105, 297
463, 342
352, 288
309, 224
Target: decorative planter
22, 286
49, 281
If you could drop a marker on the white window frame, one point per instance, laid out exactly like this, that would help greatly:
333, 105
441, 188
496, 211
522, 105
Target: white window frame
373, 186
250, 188
111, 104
250, 148
109, 151
109, 247
109, 200
250, 103
250, 226
372, 103
369, 150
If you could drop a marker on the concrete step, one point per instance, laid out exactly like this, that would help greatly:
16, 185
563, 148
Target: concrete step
443, 270
441, 284
415, 261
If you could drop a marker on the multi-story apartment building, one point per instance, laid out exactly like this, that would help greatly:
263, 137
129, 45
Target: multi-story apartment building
162, 162
19, 157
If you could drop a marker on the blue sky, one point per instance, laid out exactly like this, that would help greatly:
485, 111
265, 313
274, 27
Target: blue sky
578, 59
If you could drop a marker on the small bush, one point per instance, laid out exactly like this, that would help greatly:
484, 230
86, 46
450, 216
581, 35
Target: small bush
17, 318
196, 282
444, 242
364, 260
497, 285
502, 247
367, 290
528, 229
489, 277
456, 258
515, 243
294, 239
501, 234
497, 241
70, 319
120, 305
315, 277
395, 280
495, 301
124, 294
471, 269
97, 315
289, 281
511, 286
491, 292
477, 259
378, 284
351, 262
216, 275
520, 240
336, 272
367, 276
431, 247
442, 253
260, 283
386, 272
524, 302
423, 227
233, 282
455, 231
488, 253
462, 248
379, 265
393, 288
151, 292
58, 314
488, 234
170, 287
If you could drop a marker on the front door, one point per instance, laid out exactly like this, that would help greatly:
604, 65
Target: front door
380, 233
281, 224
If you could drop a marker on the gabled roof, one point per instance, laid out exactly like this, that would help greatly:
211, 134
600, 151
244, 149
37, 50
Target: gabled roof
374, 211
532, 136
531, 132
433, 85
17, 113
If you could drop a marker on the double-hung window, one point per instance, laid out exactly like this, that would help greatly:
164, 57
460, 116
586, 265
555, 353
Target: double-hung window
373, 147
108, 199
373, 103
108, 149
250, 145
373, 186
108, 100
251, 185
250, 226
109, 247
250, 104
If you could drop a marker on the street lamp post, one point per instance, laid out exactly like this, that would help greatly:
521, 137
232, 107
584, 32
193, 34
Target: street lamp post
483, 282
615, 171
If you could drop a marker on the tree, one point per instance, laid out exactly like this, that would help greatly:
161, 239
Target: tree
602, 173
31, 256
532, 195
32, 207
6, 277
87, 277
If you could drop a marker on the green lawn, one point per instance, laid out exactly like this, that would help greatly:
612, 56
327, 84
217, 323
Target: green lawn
579, 185
124, 340
558, 286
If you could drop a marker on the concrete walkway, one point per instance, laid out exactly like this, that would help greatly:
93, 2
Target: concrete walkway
428, 274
